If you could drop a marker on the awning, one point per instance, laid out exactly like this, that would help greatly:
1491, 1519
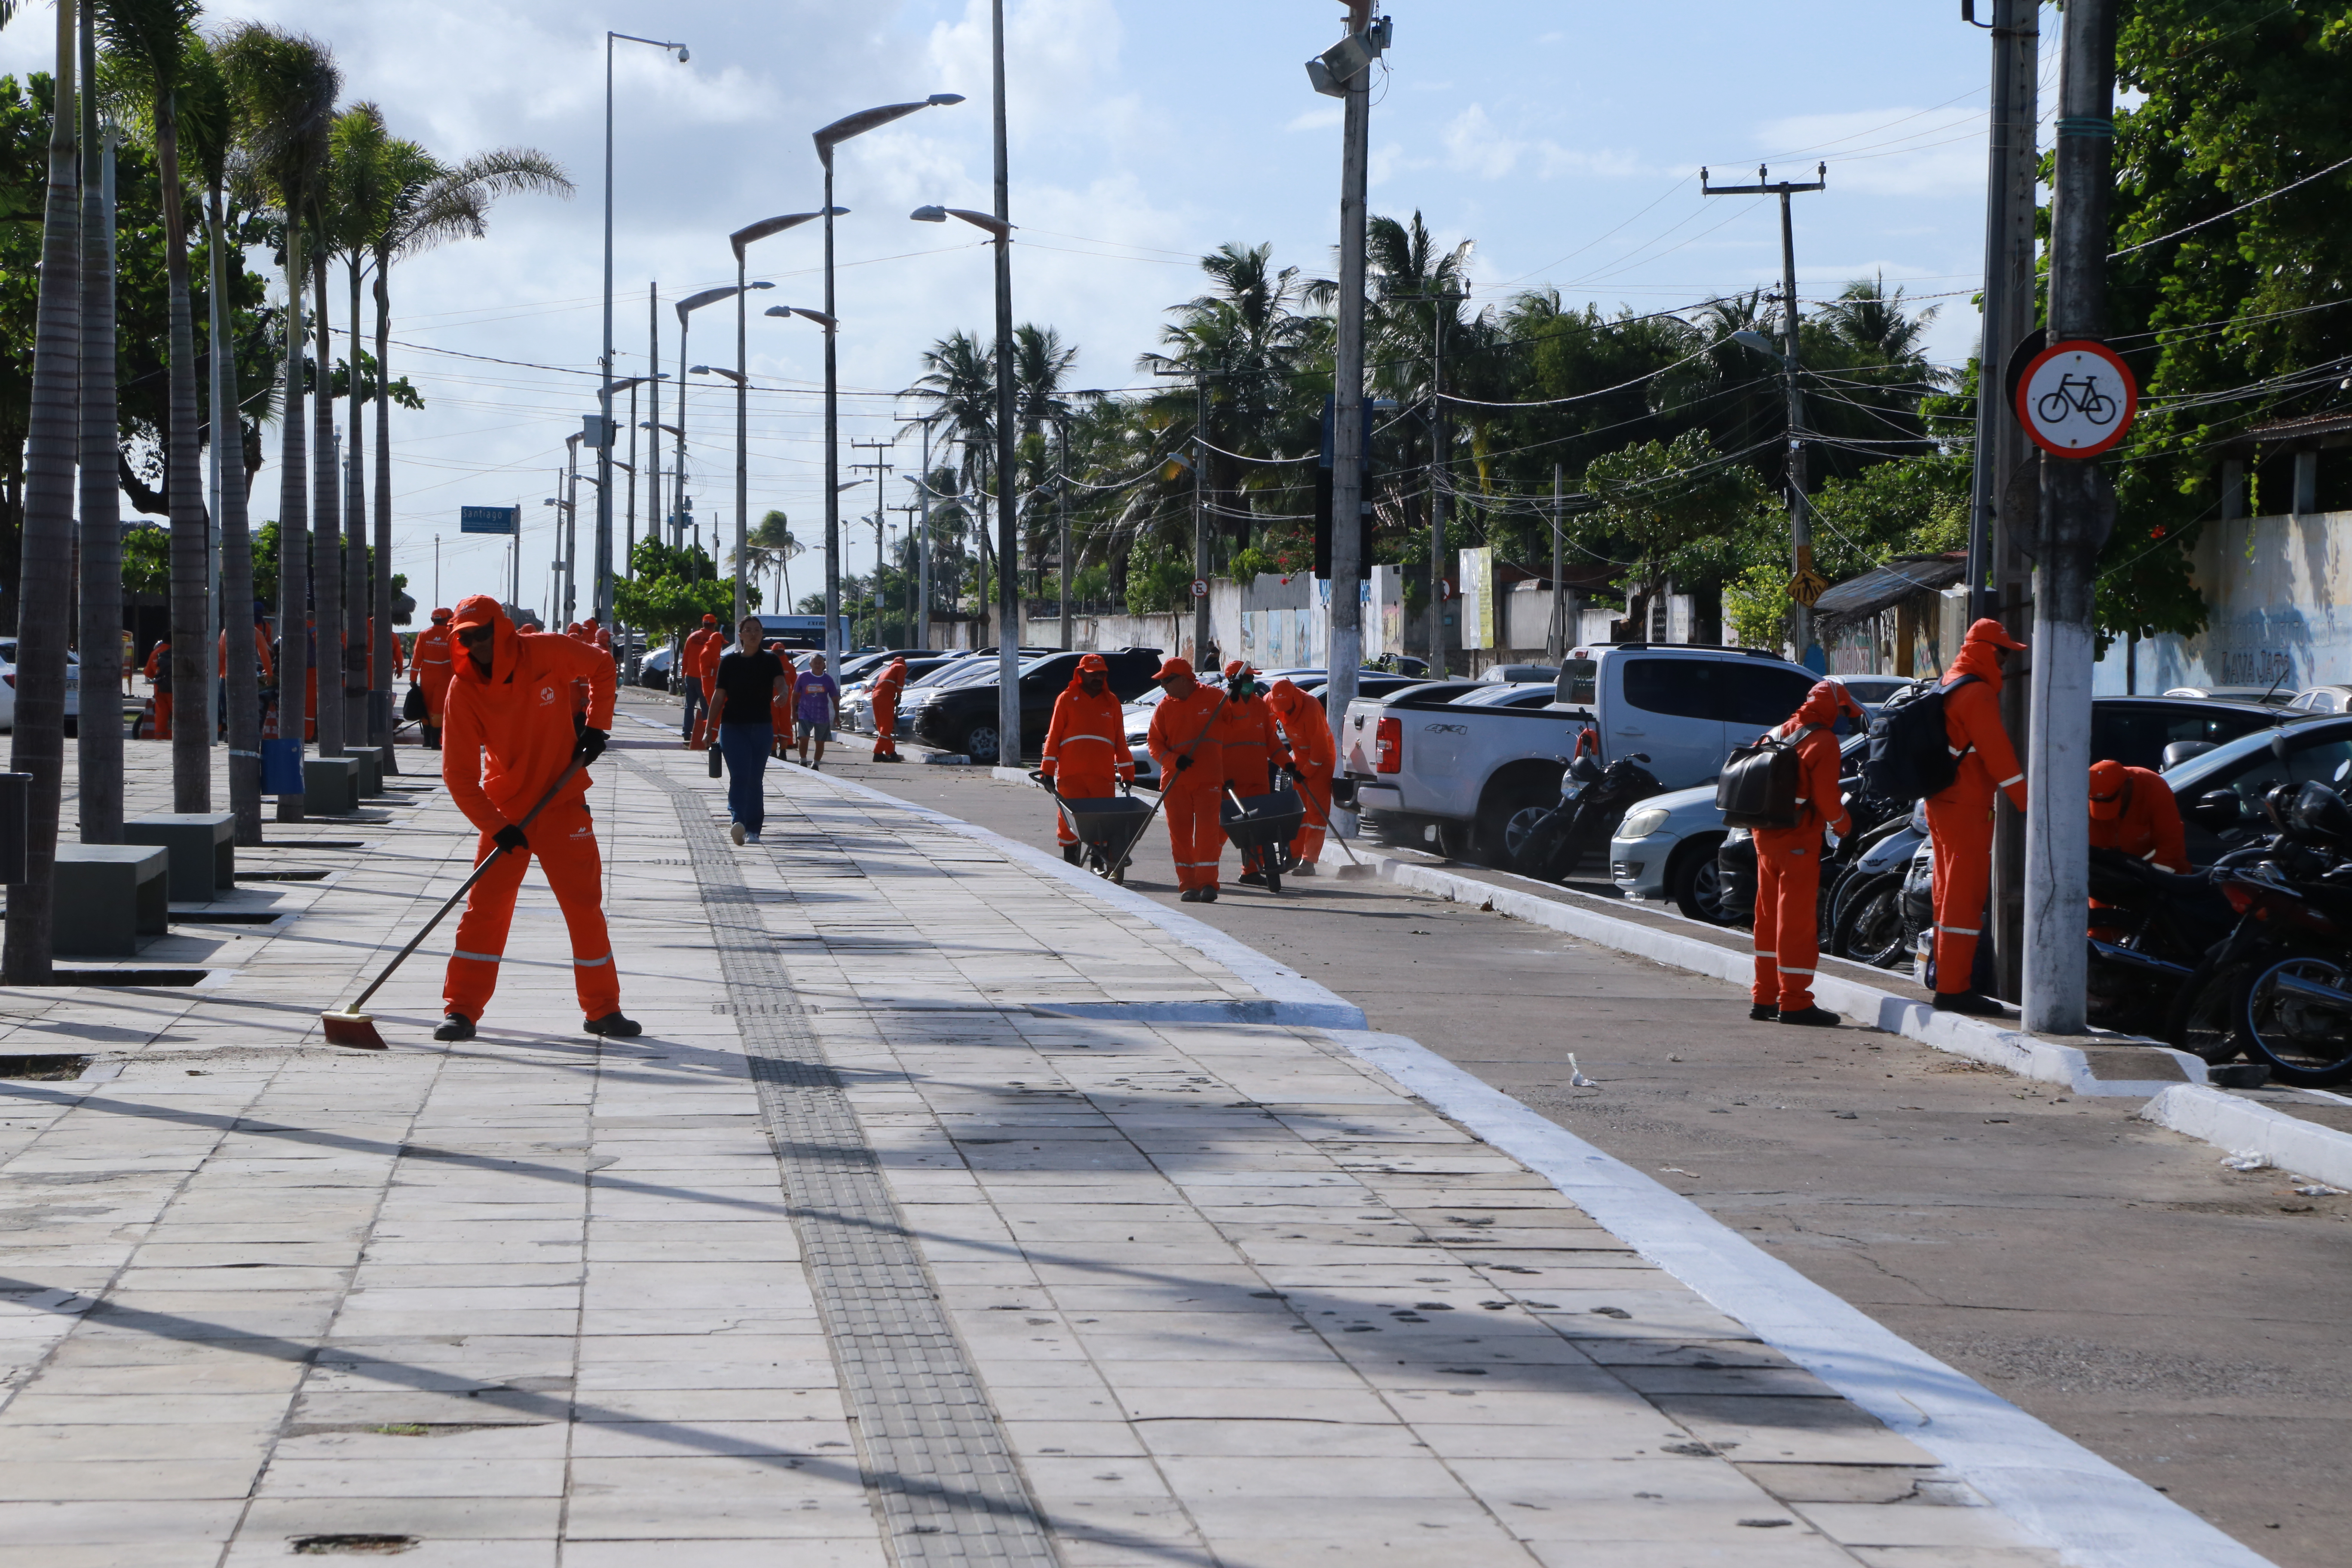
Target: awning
1886, 586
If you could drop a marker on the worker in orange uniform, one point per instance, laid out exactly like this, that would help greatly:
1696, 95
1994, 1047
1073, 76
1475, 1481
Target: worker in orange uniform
893, 680
1959, 817
510, 737
1086, 756
1191, 776
1314, 756
158, 670
2133, 810
705, 674
1789, 865
1253, 748
687, 672
596, 637
780, 707
434, 649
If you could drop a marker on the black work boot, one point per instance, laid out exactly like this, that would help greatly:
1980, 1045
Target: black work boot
613, 1025
455, 1026
1070, 852
1763, 1012
1818, 1016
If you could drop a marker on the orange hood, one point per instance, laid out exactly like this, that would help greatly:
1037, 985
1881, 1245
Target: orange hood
481, 610
1981, 655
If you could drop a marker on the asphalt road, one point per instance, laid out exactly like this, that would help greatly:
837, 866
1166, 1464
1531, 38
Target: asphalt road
2105, 1274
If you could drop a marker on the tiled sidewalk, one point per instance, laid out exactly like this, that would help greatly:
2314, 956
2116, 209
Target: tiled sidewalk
1219, 1294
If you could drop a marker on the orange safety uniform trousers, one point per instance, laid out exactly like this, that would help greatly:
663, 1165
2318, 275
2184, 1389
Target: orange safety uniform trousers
1314, 789
1787, 919
1961, 832
163, 716
705, 731
563, 841
1086, 777
1196, 835
886, 727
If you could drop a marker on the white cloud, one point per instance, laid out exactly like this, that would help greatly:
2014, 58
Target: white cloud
1321, 118
1886, 152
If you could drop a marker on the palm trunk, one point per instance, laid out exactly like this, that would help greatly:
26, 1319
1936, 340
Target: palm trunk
98, 744
45, 579
327, 548
358, 724
192, 727
383, 661
244, 680
293, 517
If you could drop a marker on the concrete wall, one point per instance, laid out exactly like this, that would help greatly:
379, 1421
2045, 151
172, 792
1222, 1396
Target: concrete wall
1273, 622
2279, 590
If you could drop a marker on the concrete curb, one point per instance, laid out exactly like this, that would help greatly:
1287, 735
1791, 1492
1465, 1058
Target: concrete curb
2244, 1126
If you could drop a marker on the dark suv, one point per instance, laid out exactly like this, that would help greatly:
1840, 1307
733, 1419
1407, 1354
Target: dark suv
962, 717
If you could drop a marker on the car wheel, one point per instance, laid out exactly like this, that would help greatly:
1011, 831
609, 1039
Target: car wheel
1493, 844
1455, 840
979, 742
1694, 885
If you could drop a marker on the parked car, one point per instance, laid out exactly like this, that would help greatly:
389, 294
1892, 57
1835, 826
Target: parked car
1521, 674
1870, 691
2323, 699
1424, 765
8, 684
2264, 694
1664, 850
2220, 790
654, 672
964, 717
857, 700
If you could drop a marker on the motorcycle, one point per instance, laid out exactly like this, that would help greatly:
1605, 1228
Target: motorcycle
2149, 929
1548, 843
2279, 987
1862, 909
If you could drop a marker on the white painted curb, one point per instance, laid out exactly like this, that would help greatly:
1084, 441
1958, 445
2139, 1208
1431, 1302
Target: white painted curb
2241, 1126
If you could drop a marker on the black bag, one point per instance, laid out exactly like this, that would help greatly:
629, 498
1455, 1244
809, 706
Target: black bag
412, 706
1757, 787
1910, 754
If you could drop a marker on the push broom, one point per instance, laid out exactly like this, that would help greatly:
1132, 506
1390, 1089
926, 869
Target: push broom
348, 1026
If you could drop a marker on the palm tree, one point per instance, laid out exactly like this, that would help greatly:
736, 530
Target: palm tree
959, 380
284, 86
208, 127
428, 204
154, 34
37, 746
98, 746
352, 208
772, 548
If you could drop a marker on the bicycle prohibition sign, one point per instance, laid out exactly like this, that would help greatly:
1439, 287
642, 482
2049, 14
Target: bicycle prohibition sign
2077, 398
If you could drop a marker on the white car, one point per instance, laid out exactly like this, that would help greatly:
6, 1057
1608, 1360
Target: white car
1870, 691
8, 684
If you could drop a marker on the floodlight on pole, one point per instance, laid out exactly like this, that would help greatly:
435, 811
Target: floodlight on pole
1747, 338
827, 138
989, 221
685, 309
740, 241
819, 317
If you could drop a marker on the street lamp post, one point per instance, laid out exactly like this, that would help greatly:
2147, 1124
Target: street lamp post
604, 363
739, 240
685, 309
827, 138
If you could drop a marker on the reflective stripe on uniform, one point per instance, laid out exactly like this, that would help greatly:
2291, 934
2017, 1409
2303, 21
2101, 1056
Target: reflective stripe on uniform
1792, 969
1770, 955
477, 957
1959, 931
590, 963
2015, 778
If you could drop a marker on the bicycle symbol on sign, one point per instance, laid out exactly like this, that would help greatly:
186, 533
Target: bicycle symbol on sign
2076, 394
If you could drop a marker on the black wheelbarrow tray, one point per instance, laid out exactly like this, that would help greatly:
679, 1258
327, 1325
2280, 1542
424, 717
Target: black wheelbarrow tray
1264, 822
1107, 826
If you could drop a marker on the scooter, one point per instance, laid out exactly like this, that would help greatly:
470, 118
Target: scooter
1547, 844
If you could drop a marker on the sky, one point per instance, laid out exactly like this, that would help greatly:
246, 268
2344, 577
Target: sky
1564, 138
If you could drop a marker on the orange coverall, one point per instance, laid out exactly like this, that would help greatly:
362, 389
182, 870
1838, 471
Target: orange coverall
1181, 726
1788, 859
1251, 749
1959, 819
2142, 818
1314, 755
510, 736
703, 651
159, 665
434, 649
1086, 756
892, 681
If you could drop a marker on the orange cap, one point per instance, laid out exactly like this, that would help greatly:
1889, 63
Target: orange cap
1237, 668
1992, 631
1173, 667
1089, 664
710, 620
2109, 780
442, 615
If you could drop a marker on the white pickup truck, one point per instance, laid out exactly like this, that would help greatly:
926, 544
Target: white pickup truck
1438, 764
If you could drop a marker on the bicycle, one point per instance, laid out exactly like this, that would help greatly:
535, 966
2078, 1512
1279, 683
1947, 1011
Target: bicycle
2091, 405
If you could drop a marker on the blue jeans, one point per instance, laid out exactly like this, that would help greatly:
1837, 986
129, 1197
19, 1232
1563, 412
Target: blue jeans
746, 748
693, 705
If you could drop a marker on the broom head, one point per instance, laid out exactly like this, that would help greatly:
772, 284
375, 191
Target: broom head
356, 1030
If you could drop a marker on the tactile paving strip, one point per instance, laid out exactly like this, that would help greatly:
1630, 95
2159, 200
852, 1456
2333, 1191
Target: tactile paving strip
933, 1451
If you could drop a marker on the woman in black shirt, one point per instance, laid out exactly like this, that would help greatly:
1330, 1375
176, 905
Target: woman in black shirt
748, 680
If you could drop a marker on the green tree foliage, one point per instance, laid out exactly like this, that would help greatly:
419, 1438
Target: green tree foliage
672, 590
1677, 509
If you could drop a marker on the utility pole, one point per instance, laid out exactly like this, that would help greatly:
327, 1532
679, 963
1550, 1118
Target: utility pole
2000, 571
1062, 507
654, 376
571, 521
913, 509
1200, 612
880, 469
923, 551
1803, 586
1556, 645
1345, 70
1441, 507
1008, 518
2077, 509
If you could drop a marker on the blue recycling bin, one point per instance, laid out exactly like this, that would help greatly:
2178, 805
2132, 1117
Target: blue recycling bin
281, 767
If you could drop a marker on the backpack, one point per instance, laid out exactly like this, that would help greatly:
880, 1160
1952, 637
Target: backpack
1758, 784
1910, 754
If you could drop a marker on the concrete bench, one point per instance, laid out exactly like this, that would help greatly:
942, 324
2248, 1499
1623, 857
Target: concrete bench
330, 786
203, 846
108, 895
370, 763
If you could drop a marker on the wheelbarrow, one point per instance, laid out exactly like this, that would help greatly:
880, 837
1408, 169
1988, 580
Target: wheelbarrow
1263, 825
1107, 828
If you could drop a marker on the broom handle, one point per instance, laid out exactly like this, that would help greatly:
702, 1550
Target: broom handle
1337, 837
438, 915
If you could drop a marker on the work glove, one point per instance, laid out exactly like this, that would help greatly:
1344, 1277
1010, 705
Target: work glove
510, 837
591, 746
1184, 762
1830, 839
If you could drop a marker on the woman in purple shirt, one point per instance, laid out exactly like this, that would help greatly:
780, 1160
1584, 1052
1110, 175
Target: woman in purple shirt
816, 702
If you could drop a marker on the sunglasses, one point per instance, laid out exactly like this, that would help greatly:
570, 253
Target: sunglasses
471, 636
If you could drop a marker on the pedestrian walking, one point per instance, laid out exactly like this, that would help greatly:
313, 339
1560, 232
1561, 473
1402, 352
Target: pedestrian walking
687, 671
887, 687
1789, 865
816, 704
780, 712
510, 737
1086, 755
1251, 749
159, 680
1313, 757
434, 649
745, 689
1960, 817
2133, 810
1191, 776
